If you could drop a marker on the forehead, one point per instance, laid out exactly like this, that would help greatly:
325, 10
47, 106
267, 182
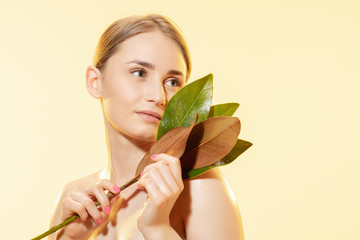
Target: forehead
153, 47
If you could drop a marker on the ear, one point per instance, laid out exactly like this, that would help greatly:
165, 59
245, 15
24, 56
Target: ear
93, 81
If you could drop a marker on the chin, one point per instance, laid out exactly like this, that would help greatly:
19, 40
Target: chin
145, 136
139, 131
149, 138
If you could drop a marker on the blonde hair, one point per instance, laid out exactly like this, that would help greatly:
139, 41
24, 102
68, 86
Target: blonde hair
125, 28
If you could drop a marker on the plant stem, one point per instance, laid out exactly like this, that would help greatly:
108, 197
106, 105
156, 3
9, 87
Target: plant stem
70, 219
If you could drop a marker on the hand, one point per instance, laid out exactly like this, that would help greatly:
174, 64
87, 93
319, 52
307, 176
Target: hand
81, 202
163, 182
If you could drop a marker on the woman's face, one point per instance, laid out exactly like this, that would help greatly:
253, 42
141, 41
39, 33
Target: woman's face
138, 81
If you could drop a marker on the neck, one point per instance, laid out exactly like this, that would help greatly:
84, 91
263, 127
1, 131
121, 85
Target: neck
124, 155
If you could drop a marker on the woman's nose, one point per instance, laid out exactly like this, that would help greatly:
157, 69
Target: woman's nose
156, 94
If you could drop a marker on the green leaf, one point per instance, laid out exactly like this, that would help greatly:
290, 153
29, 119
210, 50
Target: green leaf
226, 109
181, 110
240, 147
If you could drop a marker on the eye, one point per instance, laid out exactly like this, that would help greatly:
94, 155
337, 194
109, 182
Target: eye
173, 82
139, 73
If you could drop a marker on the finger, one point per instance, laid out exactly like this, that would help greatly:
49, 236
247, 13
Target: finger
89, 205
165, 171
155, 195
102, 198
104, 183
172, 162
70, 207
156, 177
98, 193
107, 185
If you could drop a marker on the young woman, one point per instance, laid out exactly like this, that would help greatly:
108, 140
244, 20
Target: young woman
140, 63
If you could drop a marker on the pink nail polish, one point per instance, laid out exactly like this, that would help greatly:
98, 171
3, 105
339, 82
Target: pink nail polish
154, 156
99, 222
107, 210
116, 189
142, 174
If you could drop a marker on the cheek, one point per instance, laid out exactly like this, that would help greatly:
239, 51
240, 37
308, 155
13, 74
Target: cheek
122, 93
115, 103
170, 94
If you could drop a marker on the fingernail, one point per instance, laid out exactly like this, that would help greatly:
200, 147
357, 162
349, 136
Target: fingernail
116, 189
154, 156
99, 222
142, 174
107, 210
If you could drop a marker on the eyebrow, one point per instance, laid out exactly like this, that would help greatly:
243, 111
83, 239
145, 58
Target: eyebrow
152, 67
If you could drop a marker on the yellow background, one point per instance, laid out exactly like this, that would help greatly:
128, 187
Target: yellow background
294, 67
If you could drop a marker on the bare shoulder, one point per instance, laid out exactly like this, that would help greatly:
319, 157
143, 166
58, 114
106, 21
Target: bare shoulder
88, 180
209, 209
210, 187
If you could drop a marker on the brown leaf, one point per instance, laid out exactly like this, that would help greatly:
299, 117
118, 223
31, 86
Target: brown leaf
210, 141
173, 143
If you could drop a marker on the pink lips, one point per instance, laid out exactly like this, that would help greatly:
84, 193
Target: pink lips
149, 116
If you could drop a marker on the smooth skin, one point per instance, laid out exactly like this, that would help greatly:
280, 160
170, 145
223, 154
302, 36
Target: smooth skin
134, 89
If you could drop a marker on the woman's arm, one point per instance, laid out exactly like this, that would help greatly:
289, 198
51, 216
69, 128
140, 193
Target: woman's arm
212, 213
163, 182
